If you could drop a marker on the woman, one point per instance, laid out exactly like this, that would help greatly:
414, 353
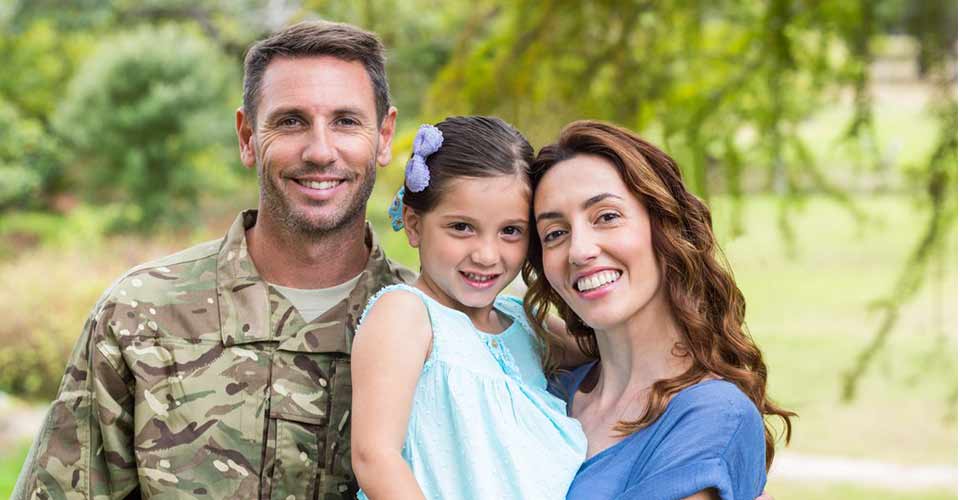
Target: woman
674, 406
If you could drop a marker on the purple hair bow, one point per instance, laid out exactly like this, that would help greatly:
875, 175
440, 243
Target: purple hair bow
427, 141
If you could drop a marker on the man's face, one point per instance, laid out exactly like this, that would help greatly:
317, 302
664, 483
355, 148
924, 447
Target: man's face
316, 143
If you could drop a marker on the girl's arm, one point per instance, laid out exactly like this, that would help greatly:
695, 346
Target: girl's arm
389, 351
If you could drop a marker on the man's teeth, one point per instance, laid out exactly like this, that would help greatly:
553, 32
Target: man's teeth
319, 185
479, 277
597, 280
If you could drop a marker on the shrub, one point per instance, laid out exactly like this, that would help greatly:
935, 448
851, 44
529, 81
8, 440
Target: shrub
142, 118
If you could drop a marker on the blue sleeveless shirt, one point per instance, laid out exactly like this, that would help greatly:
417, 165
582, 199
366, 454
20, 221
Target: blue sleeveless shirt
482, 424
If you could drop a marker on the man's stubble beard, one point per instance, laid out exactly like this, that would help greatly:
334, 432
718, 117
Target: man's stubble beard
279, 209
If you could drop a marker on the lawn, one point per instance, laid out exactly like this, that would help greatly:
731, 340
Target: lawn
10, 462
811, 316
783, 490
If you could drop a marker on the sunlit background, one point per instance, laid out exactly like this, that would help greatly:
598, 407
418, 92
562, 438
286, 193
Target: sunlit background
823, 134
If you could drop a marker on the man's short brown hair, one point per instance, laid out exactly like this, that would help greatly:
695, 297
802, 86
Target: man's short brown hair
317, 38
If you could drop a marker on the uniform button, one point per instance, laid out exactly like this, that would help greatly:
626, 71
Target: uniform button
323, 382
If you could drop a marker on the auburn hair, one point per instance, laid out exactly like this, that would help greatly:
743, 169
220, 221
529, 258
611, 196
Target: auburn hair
700, 290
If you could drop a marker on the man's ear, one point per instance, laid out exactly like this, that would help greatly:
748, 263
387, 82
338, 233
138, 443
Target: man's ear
387, 128
412, 225
248, 153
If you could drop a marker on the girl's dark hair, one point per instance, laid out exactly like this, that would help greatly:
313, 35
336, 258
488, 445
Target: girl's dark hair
699, 286
473, 146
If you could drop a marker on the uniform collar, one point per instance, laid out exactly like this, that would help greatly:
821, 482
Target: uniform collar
252, 311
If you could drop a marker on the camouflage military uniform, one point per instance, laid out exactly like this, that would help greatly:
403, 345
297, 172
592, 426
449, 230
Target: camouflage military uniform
195, 379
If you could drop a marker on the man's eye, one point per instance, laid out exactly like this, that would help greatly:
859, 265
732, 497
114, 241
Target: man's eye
348, 122
289, 122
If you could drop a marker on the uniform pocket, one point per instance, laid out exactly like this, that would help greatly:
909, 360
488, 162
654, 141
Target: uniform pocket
296, 467
63, 463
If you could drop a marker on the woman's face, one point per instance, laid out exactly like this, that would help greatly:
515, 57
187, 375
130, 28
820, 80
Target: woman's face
597, 249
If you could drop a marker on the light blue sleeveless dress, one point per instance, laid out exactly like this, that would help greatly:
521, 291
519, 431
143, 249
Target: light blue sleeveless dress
482, 425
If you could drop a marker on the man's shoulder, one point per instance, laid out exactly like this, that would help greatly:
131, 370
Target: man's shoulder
159, 279
392, 273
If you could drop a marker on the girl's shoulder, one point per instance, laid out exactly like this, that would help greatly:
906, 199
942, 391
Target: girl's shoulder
399, 300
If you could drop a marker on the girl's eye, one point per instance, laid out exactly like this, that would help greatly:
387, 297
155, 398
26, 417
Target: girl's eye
460, 226
512, 231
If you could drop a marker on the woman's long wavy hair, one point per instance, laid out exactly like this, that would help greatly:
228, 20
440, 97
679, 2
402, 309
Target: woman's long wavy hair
701, 292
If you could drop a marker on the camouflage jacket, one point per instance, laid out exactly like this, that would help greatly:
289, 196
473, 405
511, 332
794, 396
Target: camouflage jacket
195, 379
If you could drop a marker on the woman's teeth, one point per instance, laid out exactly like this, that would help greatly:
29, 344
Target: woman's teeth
597, 280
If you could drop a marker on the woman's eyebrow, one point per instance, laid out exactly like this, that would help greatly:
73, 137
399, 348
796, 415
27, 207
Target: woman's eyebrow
593, 200
547, 215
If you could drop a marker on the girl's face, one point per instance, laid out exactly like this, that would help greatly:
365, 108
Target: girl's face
473, 243
597, 249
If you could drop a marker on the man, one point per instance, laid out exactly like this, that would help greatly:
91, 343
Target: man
223, 371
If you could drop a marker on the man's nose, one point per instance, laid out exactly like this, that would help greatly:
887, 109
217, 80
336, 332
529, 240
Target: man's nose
320, 150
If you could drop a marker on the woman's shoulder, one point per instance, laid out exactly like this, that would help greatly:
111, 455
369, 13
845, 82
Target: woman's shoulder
718, 398
715, 414
710, 436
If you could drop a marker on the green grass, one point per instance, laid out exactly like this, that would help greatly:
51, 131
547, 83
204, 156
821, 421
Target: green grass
10, 463
810, 314
787, 490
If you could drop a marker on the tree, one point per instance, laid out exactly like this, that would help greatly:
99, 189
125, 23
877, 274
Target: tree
725, 86
141, 115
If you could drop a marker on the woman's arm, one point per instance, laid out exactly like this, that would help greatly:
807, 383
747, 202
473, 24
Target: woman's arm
710, 494
567, 353
388, 354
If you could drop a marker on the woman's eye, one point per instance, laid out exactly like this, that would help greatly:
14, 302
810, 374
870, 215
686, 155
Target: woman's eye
608, 217
552, 235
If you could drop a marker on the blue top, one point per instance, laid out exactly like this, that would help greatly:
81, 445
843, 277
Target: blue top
482, 424
710, 436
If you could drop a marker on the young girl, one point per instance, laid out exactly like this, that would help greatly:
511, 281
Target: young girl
449, 398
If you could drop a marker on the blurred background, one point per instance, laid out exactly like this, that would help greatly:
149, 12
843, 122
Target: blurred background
823, 134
